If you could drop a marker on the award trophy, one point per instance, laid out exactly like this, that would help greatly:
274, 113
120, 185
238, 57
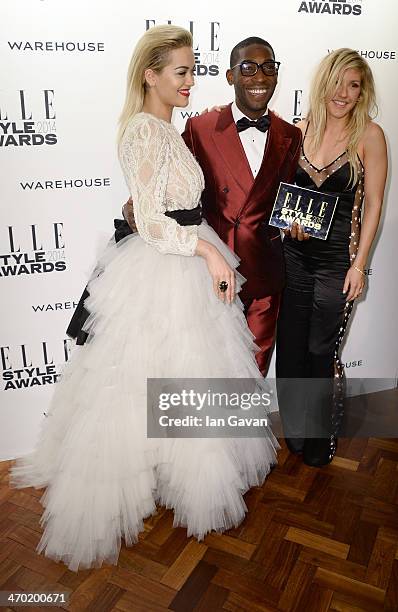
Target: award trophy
313, 210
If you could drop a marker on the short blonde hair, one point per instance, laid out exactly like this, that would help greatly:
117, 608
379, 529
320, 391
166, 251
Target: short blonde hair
152, 51
327, 79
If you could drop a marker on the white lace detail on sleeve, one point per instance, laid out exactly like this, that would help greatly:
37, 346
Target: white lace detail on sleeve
145, 154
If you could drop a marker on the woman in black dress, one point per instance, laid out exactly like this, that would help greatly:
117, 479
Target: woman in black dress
344, 153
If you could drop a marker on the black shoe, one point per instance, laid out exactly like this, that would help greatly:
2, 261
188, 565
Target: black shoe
319, 451
295, 445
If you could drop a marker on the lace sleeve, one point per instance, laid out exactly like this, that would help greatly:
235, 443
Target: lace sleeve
145, 159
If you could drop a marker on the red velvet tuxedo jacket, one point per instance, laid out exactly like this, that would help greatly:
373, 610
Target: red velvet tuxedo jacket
238, 206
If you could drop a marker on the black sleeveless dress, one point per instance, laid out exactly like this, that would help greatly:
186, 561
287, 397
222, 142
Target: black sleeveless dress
314, 312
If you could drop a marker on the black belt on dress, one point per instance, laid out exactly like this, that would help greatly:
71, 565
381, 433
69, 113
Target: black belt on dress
122, 229
192, 216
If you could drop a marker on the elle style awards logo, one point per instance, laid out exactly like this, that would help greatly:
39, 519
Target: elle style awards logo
206, 46
331, 7
32, 249
297, 105
34, 364
27, 118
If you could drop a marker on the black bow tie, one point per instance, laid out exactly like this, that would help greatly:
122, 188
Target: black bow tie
261, 124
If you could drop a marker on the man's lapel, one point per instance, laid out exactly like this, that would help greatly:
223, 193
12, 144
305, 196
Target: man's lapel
276, 149
229, 146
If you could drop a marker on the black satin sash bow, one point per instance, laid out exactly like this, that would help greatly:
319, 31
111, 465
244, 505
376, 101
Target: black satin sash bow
183, 217
122, 229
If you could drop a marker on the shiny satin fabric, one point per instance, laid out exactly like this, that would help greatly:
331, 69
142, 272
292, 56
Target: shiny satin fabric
238, 206
261, 315
314, 312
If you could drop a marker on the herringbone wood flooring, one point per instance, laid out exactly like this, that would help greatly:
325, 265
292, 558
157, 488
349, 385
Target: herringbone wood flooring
313, 540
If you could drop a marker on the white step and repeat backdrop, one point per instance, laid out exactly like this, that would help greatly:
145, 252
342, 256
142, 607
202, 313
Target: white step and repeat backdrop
62, 86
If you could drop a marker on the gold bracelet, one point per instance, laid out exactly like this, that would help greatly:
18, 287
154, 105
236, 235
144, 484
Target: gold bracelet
359, 270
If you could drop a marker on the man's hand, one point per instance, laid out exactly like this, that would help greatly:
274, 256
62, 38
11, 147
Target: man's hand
296, 232
128, 214
213, 108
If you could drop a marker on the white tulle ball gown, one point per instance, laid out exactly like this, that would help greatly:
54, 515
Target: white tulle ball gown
153, 314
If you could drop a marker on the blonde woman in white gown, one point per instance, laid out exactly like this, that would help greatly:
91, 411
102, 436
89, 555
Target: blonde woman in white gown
156, 311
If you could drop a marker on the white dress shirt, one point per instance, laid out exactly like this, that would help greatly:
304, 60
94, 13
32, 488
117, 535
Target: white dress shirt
253, 141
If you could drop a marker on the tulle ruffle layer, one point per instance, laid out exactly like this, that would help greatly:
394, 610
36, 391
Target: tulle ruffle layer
152, 315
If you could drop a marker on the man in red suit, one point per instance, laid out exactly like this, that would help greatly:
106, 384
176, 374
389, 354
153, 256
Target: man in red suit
245, 151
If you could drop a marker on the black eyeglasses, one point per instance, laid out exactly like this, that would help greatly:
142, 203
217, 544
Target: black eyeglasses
249, 68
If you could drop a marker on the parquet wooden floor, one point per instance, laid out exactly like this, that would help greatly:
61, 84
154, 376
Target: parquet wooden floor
313, 540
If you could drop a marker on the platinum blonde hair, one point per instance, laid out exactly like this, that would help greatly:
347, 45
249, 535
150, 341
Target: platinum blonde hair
152, 51
326, 81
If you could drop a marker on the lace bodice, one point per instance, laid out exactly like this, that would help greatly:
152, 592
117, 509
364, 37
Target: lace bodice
162, 175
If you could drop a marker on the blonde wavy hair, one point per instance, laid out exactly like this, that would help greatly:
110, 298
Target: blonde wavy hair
327, 79
152, 51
